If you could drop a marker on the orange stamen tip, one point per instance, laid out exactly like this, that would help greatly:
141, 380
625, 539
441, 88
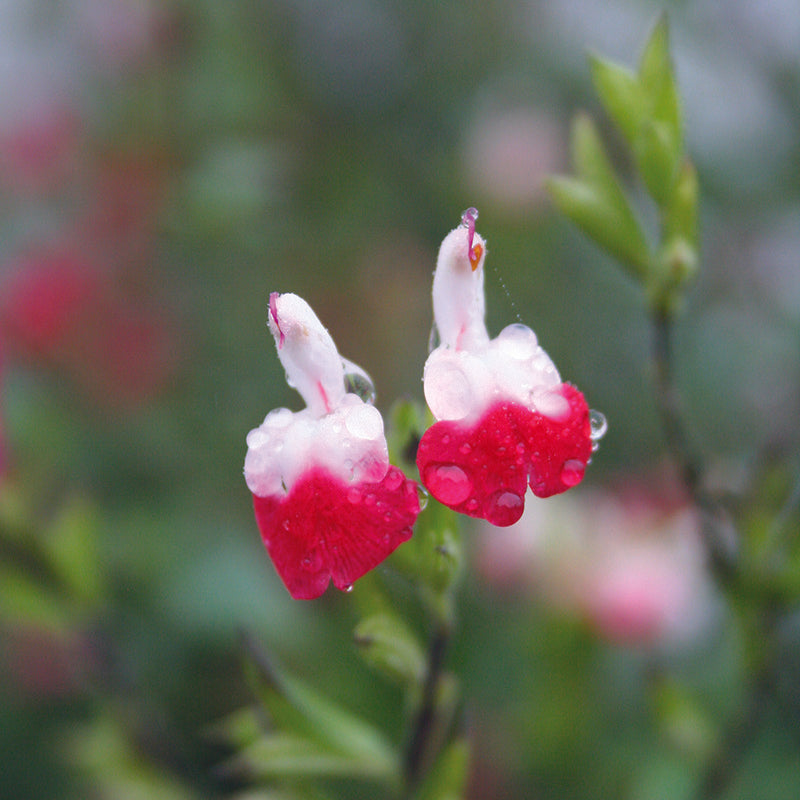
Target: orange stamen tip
475, 255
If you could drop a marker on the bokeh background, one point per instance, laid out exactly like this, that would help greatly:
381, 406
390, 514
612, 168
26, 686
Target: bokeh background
163, 167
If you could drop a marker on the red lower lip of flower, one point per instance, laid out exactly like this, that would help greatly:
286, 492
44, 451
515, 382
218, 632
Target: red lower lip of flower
484, 470
324, 529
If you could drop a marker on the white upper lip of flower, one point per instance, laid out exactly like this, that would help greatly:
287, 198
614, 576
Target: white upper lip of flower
459, 307
337, 430
308, 353
469, 370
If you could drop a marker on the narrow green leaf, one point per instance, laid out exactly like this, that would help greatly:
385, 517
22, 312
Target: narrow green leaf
447, 779
621, 95
657, 156
296, 708
600, 206
282, 755
613, 228
389, 646
433, 556
680, 218
657, 78
26, 600
71, 546
238, 729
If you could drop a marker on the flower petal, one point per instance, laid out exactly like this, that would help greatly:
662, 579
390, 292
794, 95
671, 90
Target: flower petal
325, 529
483, 469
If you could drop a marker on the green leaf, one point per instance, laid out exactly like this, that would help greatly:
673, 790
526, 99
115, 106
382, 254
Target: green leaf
447, 779
621, 95
600, 206
433, 556
23, 599
612, 229
657, 155
238, 729
281, 755
657, 79
71, 546
297, 709
680, 217
389, 646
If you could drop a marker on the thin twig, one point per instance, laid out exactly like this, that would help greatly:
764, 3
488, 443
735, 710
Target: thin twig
424, 727
716, 529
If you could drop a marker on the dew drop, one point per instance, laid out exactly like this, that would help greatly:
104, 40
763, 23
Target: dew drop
348, 588
465, 449
448, 483
369, 500
422, 496
598, 424
503, 508
518, 340
358, 382
353, 496
312, 561
470, 216
393, 479
286, 525
572, 472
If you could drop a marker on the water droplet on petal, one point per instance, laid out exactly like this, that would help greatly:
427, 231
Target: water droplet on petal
503, 508
312, 561
465, 449
369, 500
572, 472
358, 382
353, 496
598, 424
422, 496
518, 341
448, 483
393, 480
286, 524
348, 588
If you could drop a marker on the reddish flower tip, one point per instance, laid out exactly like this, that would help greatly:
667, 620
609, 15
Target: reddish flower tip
273, 310
325, 529
483, 468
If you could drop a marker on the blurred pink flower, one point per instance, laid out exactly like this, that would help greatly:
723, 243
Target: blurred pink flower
58, 310
508, 154
46, 299
505, 419
118, 33
631, 566
38, 147
328, 503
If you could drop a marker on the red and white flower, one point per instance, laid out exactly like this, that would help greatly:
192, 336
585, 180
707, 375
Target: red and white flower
328, 503
505, 419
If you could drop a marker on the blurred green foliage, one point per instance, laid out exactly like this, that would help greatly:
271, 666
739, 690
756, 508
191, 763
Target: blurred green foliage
323, 149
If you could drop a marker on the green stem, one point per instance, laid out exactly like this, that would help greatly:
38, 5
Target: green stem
419, 748
717, 530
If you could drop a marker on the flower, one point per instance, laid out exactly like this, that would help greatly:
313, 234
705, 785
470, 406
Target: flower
629, 564
505, 419
328, 503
